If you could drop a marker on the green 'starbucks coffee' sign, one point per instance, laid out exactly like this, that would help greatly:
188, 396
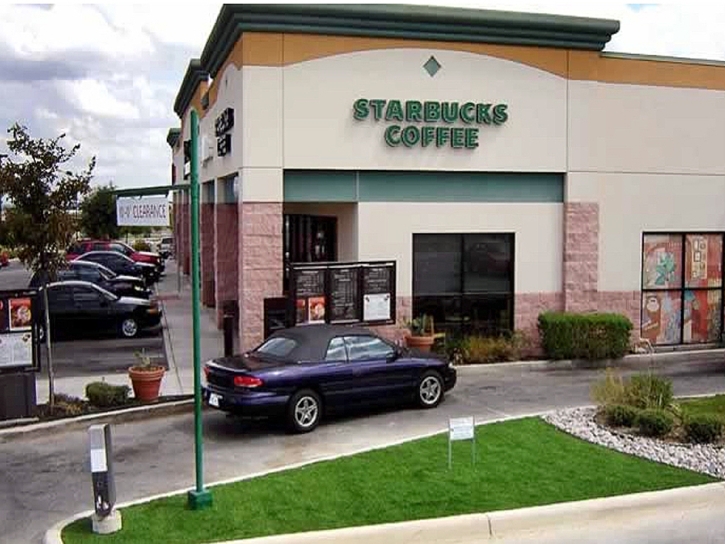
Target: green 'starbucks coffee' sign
423, 120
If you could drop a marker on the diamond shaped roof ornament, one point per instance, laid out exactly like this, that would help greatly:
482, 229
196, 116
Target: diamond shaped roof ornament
432, 66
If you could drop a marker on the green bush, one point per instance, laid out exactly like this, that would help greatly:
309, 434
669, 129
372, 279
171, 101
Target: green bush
703, 428
610, 390
648, 391
621, 415
141, 245
105, 395
655, 423
584, 336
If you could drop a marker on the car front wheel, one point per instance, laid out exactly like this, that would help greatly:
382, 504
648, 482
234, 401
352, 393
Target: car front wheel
304, 411
430, 390
129, 327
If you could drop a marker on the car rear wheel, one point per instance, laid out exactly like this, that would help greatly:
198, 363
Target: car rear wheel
304, 411
430, 390
129, 327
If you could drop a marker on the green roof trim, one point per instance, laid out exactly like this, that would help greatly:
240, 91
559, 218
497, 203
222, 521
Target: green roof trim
194, 75
173, 136
406, 22
150, 191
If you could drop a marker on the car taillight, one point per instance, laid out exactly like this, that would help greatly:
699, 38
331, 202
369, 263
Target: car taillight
247, 381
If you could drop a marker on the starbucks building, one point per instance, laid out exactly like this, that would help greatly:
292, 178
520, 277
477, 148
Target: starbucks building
369, 164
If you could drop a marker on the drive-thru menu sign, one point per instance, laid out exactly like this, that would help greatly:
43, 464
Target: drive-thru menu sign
18, 339
343, 293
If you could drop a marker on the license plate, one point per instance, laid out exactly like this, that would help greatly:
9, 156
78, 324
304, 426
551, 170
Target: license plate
214, 399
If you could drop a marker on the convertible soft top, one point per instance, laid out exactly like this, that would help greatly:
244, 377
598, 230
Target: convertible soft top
312, 340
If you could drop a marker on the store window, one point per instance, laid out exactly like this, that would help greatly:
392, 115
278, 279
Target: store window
682, 288
465, 281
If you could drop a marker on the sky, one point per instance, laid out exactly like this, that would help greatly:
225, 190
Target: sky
107, 74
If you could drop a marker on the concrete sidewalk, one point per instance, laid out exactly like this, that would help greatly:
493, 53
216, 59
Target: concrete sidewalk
178, 344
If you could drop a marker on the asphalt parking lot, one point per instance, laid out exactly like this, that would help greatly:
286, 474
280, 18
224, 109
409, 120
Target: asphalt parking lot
89, 356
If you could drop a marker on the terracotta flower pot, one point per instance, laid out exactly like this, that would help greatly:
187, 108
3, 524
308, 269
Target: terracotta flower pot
421, 343
146, 382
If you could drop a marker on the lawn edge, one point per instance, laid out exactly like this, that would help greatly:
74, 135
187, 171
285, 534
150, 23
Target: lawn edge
53, 535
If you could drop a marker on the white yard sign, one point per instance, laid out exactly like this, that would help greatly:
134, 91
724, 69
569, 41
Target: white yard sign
461, 428
147, 211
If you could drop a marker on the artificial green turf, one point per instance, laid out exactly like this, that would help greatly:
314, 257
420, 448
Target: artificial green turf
707, 405
520, 463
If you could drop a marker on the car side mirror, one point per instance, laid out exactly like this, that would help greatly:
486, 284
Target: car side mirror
393, 356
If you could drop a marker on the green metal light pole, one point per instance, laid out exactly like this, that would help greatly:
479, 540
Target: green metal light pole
200, 497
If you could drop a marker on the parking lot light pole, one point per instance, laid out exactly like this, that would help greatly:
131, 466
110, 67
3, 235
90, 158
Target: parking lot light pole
199, 498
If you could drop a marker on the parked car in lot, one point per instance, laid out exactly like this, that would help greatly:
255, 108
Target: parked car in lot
123, 286
84, 246
83, 308
122, 265
166, 247
302, 373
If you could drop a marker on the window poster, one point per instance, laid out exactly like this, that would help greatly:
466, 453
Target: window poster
316, 309
662, 261
21, 317
703, 260
661, 317
16, 349
702, 316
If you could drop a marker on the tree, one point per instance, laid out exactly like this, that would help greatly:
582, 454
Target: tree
98, 214
43, 193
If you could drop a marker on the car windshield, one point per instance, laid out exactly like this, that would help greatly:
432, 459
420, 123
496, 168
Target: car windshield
166, 240
106, 273
278, 346
121, 247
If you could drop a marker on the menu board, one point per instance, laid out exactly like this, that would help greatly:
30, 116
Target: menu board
344, 295
310, 290
16, 334
376, 280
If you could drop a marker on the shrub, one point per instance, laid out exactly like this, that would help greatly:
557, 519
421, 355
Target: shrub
647, 391
610, 390
654, 423
105, 395
141, 245
584, 336
621, 415
482, 350
451, 346
703, 428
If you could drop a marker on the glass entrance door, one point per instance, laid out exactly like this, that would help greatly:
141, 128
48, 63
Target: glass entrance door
308, 239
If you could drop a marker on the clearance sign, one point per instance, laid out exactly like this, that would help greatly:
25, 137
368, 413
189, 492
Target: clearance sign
147, 211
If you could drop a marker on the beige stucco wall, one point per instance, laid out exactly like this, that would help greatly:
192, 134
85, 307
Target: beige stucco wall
320, 131
632, 203
386, 231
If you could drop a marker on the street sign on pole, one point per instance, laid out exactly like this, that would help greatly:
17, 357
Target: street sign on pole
142, 211
200, 497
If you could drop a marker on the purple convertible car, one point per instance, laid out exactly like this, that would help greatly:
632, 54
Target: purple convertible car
302, 373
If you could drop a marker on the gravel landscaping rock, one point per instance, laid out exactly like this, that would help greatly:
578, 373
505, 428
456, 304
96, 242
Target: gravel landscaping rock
579, 422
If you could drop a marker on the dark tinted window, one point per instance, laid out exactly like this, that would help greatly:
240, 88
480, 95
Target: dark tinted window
88, 273
279, 346
120, 248
437, 264
98, 246
336, 350
60, 297
85, 295
366, 348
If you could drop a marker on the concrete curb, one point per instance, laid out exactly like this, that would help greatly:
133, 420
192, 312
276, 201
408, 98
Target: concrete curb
452, 529
169, 349
634, 361
128, 414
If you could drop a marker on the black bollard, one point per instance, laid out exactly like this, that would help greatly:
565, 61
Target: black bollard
228, 321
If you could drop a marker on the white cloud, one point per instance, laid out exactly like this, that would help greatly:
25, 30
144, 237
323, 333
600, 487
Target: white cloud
95, 97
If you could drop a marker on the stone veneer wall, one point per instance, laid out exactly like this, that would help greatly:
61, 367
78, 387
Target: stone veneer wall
206, 241
260, 265
628, 303
403, 312
581, 256
226, 248
186, 237
527, 307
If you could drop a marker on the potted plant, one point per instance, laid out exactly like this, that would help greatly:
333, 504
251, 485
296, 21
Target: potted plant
146, 377
421, 333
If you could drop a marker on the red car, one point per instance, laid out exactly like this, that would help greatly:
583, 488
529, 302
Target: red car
4, 259
84, 246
